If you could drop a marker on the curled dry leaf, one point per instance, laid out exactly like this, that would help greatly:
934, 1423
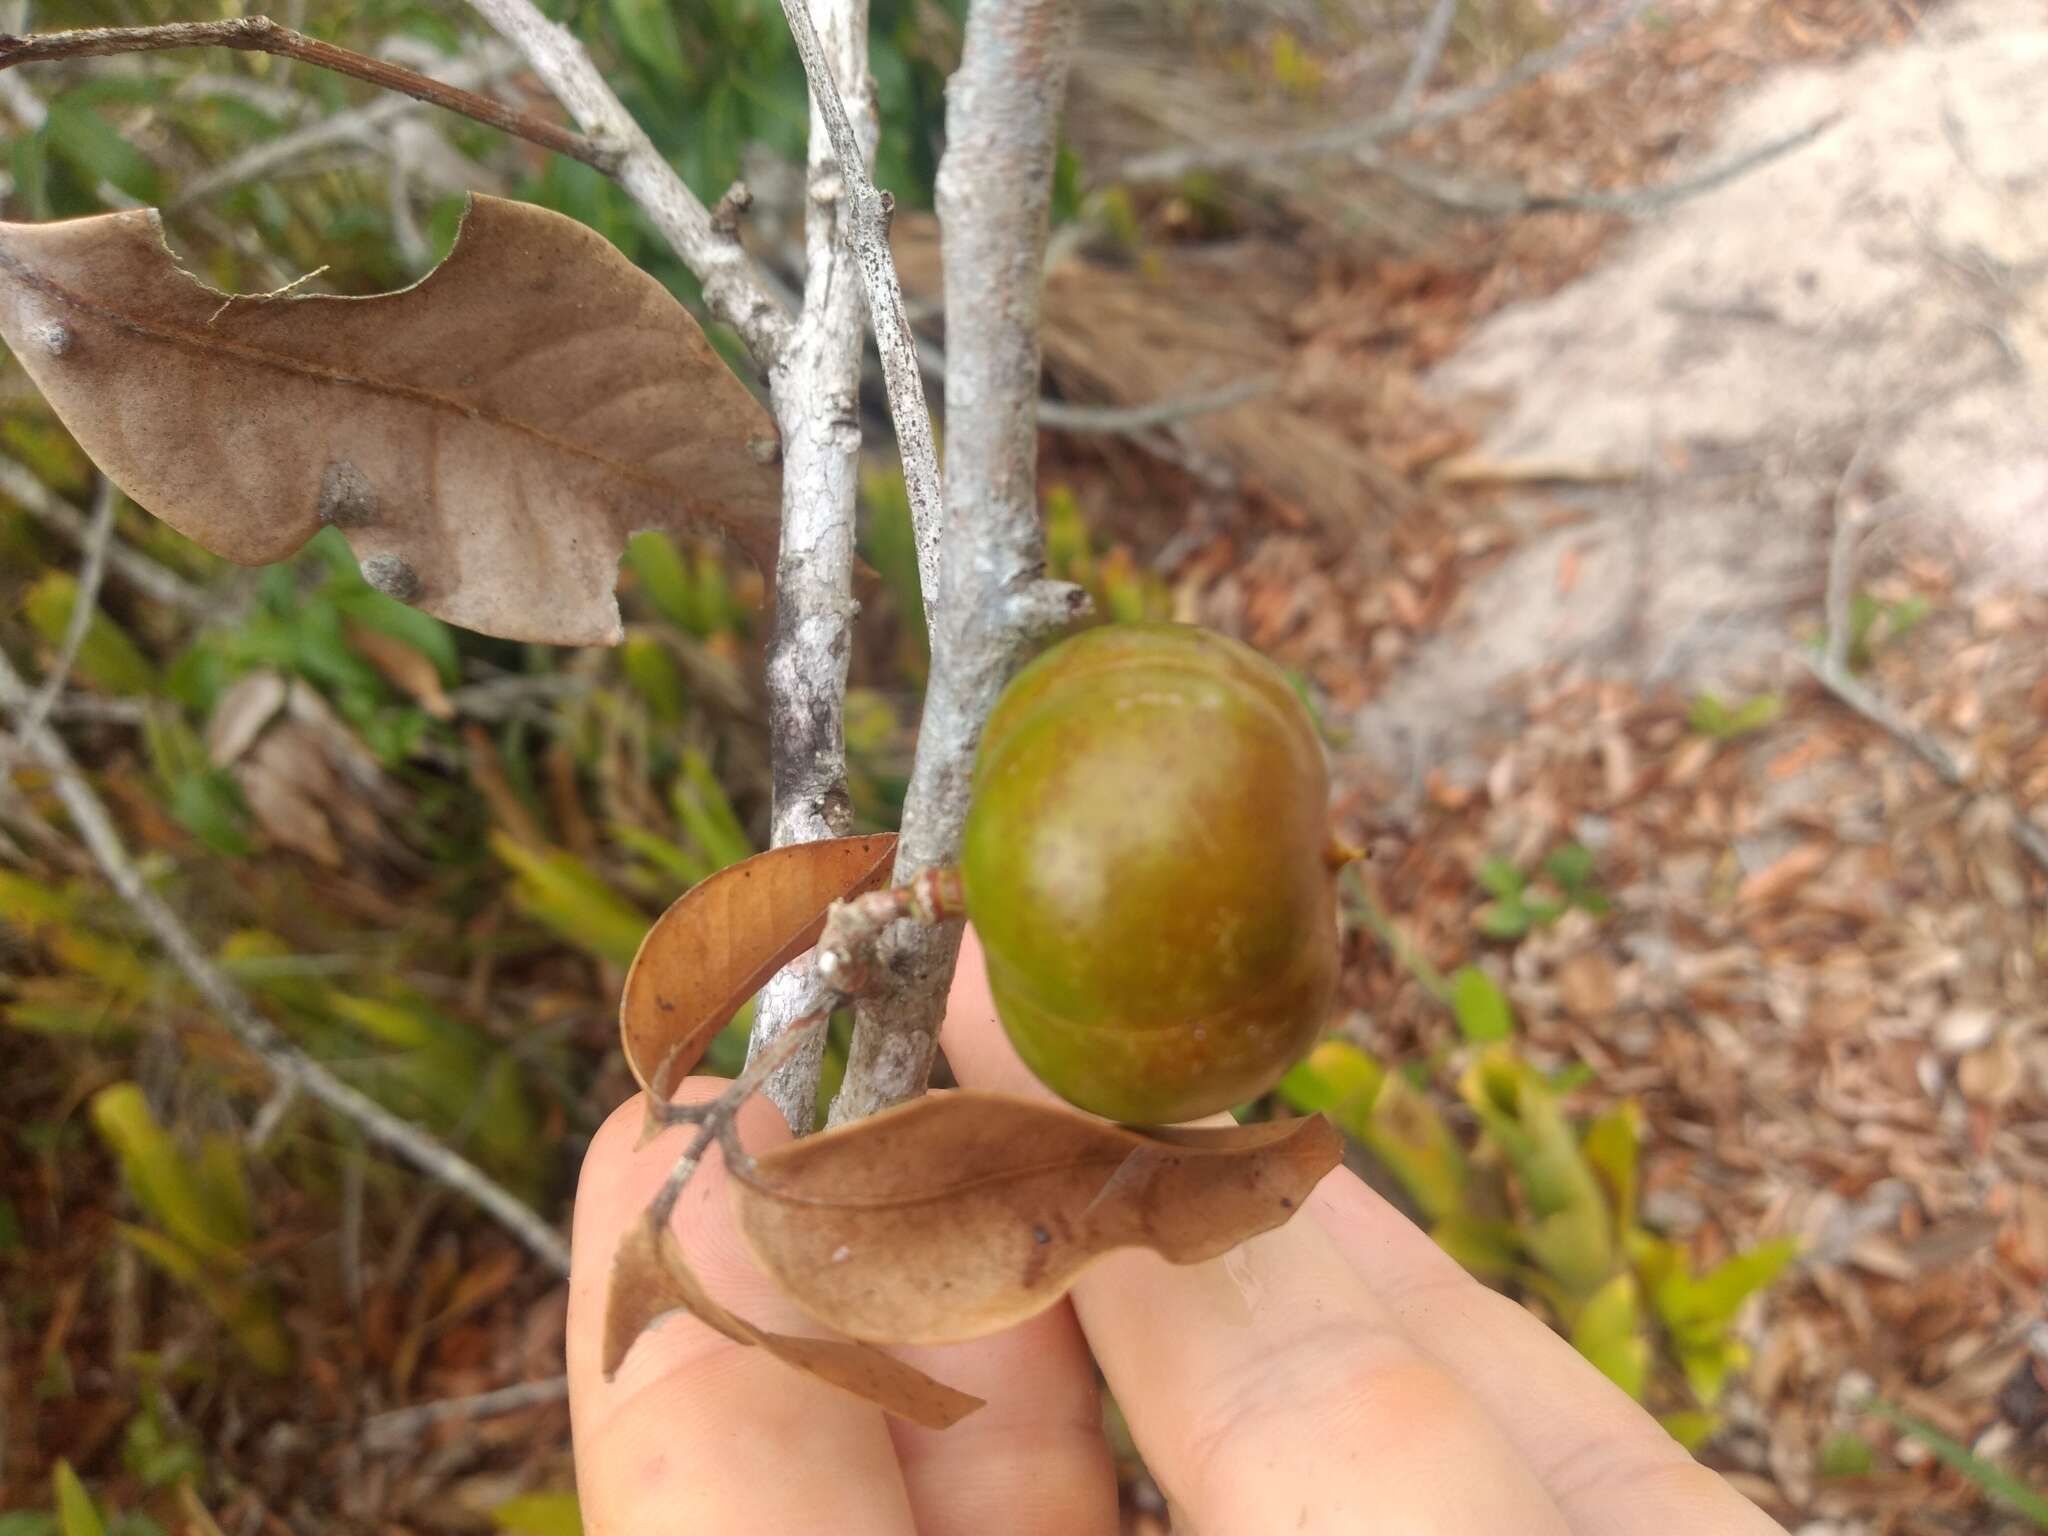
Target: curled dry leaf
486, 439
720, 941
961, 1213
651, 1279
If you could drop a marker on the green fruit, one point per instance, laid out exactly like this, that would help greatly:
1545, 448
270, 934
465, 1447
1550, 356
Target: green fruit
1146, 865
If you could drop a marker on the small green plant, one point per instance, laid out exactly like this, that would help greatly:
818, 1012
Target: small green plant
1549, 1206
1520, 905
201, 1229
1990, 1479
73, 1514
1845, 1455
99, 982
691, 589
1717, 720
1875, 623
302, 623
154, 1451
1123, 591
108, 658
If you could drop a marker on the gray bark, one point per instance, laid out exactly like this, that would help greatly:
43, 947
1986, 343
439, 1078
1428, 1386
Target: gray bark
815, 387
994, 199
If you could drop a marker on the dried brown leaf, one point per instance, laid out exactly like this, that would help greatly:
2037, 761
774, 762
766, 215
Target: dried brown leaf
720, 941
651, 1279
405, 667
240, 714
1588, 985
486, 439
290, 786
961, 1213
1783, 875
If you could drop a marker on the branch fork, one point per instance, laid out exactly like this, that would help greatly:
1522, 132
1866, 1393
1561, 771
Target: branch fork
846, 951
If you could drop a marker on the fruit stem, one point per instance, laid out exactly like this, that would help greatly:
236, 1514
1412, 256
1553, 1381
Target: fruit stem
1337, 853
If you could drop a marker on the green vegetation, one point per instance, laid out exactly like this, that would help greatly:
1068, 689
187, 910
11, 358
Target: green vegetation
1566, 880
1992, 1480
426, 855
1718, 720
1527, 1197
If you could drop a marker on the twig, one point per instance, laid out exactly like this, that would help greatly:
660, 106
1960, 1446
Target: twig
84, 605
270, 1115
274, 98
732, 284
505, 698
1848, 534
1063, 416
1504, 201
20, 485
994, 196
1396, 943
399, 1427
1436, 31
284, 1061
1090, 419
1831, 669
815, 390
865, 230
259, 34
356, 126
22, 103
1345, 138
1850, 690
716, 1120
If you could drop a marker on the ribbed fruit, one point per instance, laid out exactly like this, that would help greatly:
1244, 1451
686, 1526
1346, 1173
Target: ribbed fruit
1146, 865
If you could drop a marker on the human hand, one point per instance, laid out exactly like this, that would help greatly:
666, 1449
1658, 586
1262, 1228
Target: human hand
1339, 1374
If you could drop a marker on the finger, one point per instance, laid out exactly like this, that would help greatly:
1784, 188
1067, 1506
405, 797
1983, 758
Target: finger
697, 1433
1270, 1389
1611, 1468
1036, 1452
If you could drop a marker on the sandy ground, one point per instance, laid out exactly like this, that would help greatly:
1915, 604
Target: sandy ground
1877, 300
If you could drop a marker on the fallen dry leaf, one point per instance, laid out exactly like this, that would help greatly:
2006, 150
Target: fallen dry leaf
289, 786
239, 716
1782, 876
651, 1279
1992, 1074
720, 941
1588, 985
486, 439
405, 667
961, 1213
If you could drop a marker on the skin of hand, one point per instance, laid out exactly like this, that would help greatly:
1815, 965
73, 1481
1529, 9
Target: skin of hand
1338, 1375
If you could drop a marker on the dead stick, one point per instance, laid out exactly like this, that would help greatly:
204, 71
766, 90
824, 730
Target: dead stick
85, 601
1831, 666
399, 1427
866, 232
994, 198
259, 34
285, 1061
